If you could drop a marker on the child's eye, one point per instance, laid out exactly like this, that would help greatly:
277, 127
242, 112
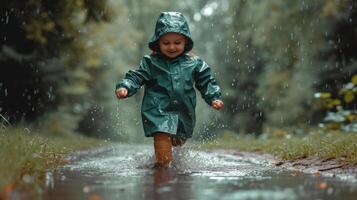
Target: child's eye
178, 42
165, 43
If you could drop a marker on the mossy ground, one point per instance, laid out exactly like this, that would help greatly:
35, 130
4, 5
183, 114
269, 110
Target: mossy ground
26, 156
321, 143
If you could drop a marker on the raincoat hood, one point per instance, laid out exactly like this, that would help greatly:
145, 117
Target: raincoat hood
171, 22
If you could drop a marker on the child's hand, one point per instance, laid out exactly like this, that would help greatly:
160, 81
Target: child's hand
121, 93
217, 104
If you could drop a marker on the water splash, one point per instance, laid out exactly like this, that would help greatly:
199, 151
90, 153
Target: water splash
129, 160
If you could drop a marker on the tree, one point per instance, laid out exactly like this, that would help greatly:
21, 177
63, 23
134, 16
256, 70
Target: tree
45, 59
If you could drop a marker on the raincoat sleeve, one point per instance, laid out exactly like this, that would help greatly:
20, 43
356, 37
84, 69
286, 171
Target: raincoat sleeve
206, 83
134, 79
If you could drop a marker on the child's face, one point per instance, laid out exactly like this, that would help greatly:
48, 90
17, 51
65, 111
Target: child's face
172, 44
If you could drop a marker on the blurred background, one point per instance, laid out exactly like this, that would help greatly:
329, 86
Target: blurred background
282, 65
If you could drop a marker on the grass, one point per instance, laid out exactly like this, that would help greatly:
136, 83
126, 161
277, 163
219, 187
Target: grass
25, 156
320, 143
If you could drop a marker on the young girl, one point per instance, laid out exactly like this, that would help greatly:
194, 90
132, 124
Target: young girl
169, 75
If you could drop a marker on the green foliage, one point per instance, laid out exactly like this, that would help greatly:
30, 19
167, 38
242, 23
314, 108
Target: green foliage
47, 22
276, 54
270, 57
340, 108
65, 62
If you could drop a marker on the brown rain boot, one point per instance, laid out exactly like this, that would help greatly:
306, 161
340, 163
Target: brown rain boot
177, 141
163, 149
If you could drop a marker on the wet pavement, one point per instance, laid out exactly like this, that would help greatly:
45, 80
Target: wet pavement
126, 172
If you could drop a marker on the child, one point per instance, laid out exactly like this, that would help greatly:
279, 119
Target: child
169, 74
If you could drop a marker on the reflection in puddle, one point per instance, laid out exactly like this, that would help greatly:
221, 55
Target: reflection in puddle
262, 194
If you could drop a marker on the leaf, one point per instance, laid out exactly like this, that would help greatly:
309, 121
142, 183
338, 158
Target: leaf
333, 126
351, 117
336, 102
323, 185
331, 103
354, 79
349, 96
317, 173
94, 197
323, 95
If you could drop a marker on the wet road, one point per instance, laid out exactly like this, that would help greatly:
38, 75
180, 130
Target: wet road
125, 173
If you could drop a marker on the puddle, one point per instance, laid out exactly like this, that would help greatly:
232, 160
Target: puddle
125, 173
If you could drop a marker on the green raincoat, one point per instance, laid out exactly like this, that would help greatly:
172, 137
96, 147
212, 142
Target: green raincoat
170, 99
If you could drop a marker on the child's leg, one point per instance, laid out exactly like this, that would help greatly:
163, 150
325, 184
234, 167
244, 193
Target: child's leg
176, 141
163, 149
